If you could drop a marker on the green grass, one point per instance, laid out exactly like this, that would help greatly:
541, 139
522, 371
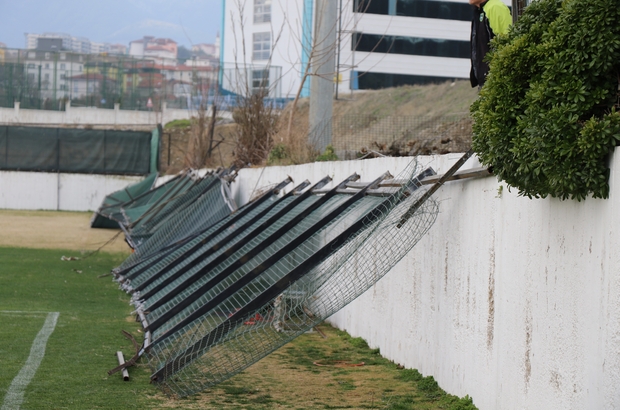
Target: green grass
82, 348
178, 124
93, 311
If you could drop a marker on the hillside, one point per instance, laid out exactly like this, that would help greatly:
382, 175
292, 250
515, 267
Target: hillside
406, 120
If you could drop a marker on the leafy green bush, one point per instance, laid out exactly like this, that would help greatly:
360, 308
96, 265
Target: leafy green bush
178, 124
328, 155
277, 154
545, 119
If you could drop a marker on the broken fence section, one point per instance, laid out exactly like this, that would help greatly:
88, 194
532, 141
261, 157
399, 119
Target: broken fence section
227, 293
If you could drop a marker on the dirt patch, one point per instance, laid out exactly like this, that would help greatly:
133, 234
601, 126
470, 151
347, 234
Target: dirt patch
57, 230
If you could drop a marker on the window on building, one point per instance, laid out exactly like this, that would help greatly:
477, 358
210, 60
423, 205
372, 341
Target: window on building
371, 6
63, 87
63, 76
262, 11
46, 77
31, 77
31, 54
260, 81
63, 56
80, 68
261, 46
31, 65
47, 66
47, 56
432, 47
435, 9
375, 81
62, 66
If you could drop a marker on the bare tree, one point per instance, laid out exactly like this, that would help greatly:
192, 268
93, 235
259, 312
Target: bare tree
255, 117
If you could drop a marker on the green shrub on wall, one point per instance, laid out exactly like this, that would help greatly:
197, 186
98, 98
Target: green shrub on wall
545, 119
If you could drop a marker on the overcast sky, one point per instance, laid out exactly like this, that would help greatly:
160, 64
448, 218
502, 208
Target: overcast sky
111, 21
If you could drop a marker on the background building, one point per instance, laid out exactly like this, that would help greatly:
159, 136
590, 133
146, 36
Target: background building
69, 43
380, 43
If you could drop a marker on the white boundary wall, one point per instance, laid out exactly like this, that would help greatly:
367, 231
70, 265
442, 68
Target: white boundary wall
63, 192
94, 116
513, 301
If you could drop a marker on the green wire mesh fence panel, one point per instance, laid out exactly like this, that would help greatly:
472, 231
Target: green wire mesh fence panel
289, 277
117, 199
187, 259
202, 212
128, 213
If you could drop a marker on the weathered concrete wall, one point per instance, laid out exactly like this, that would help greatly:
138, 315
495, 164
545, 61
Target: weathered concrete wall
513, 301
65, 192
91, 116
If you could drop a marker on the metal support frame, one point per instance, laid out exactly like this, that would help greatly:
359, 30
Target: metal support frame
239, 245
202, 243
242, 315
159, 256
270, 261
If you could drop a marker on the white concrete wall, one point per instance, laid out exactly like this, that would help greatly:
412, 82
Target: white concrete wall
92, 116
65, 192
513, 301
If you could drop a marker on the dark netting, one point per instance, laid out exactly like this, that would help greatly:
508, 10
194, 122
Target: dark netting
161, 268
115, 200
3, 147
190, 214
164, 282
189, 209
75, 150
127, 151
82, 150
32, 149
300, 262
127, 213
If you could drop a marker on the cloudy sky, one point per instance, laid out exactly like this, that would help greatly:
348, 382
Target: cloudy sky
111, 21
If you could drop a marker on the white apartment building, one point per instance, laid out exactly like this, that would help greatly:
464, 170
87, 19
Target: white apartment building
51, 72
382, 43
69, 43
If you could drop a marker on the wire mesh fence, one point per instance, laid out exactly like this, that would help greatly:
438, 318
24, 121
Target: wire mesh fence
50, 79
239, 289
360, 135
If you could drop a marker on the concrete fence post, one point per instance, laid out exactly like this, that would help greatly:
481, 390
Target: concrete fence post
117, 107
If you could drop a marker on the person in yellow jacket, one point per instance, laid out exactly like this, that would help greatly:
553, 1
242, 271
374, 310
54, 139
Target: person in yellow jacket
491, 17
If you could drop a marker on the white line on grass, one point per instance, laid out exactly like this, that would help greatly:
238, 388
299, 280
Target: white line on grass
15, 395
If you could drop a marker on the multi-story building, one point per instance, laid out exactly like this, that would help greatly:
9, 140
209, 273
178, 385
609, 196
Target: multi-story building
69, 43
381, 43
118, 49
158, 49
49, 72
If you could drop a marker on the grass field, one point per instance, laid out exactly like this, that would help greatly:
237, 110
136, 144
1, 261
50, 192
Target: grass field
92, 311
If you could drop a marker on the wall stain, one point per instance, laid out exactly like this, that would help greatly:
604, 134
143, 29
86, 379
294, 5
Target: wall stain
491, 297
528, 343
555, 380
445, 273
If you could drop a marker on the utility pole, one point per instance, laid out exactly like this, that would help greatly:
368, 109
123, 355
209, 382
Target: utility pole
323, 69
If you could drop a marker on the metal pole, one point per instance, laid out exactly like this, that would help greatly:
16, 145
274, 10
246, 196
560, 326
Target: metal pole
339, 41
323, 67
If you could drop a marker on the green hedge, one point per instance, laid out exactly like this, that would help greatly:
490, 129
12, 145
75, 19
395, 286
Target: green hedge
545, 119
